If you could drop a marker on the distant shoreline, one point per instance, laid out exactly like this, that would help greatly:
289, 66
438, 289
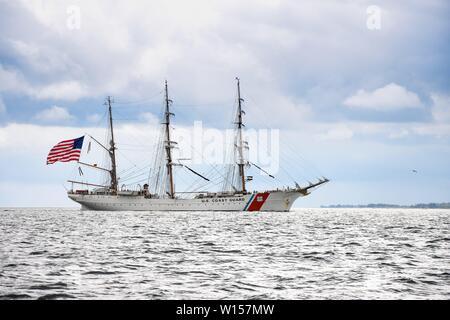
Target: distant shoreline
443, 205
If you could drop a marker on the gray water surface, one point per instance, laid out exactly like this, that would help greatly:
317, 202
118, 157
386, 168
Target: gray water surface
304, 254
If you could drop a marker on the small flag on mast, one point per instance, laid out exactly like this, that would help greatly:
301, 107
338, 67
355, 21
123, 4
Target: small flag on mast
65, 151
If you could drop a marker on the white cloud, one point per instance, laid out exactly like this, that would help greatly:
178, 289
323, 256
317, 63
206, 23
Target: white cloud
441, 130
42, 58
150, 118
399, 134
336, 132
12, 80
54, 114
272, 109
202, 45
15, 137
441, 107
68, 90
387, 98
2, 106
94, 118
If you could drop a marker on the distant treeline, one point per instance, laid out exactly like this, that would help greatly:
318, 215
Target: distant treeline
443, 205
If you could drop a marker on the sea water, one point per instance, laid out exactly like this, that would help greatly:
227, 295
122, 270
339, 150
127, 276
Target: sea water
303, 254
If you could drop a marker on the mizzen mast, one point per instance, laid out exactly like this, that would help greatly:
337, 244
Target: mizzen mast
240, 145
168, 144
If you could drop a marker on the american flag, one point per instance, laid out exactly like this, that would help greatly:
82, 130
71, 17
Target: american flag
65, 151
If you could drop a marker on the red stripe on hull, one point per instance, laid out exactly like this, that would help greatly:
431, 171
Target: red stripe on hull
258, 201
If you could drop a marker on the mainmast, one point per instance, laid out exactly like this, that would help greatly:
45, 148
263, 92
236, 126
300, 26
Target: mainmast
240, 145
168, 145
112, 149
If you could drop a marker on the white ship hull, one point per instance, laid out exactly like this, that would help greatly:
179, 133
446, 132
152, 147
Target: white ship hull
264, 201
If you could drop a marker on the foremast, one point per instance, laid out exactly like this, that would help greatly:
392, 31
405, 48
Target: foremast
168, 144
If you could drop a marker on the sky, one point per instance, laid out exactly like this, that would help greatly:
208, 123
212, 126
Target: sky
357, 91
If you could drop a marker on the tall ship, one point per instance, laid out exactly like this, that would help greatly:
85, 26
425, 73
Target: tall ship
159, 192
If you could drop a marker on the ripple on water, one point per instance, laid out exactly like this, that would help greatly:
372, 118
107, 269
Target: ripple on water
38, 253
10, 265
56, 296
100, 272
226, 251
172, 251
439, 240
352, 244
13, 296
49, 286
406, 280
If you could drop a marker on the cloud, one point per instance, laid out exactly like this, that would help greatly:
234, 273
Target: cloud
94, 118
374, 131
2, 106
68, 90
399, 134
274, 110
150, 118
205, 44
441, 107
435, 130
12, 80
42, 58
387, 98
337, 132
54, 114
16, 137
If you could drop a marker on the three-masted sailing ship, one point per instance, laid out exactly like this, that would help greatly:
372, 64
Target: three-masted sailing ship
159, 194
